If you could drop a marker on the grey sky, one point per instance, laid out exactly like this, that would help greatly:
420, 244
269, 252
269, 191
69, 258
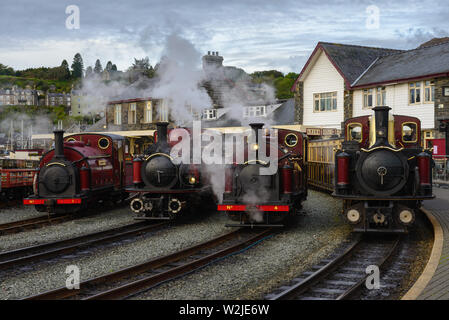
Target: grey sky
254, 35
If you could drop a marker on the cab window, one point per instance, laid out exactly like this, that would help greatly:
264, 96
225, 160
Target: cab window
354, 132
409, 132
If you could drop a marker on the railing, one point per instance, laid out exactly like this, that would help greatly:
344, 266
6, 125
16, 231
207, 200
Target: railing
441, 169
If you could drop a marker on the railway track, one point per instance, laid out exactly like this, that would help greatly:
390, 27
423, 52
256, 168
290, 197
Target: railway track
132, 280
36, 253
341, 277
32, 223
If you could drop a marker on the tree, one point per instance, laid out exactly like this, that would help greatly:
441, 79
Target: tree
141, 67
89, 71
114, 67
5, 70
98, 68
109, 66
64, 70
77, 66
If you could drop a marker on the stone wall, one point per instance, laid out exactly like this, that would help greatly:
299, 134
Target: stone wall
441, 104
299, 103
140, 110
348, 105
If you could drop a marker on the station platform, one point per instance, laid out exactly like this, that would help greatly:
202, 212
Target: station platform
433, 284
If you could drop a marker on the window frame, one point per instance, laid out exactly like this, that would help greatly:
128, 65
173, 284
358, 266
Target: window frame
132, 113
416, 131
210, 114
382, 93
251, 112
357, 124
321, 98
431, 88
118, 114
415, 86
366, 93
148, 112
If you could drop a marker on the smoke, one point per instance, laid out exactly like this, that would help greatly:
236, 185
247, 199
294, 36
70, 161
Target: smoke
22, 126
179, 80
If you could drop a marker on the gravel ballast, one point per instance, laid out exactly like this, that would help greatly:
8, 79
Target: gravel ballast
79, 226
268, 265
17, 213
99, 262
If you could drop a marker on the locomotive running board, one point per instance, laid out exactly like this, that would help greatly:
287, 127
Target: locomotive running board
255, 225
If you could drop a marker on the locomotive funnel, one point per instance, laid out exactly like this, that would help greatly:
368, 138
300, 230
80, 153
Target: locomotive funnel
59, 143
162, 132
256, 127
381, 125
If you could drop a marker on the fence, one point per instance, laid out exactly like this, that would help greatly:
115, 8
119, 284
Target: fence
441, 169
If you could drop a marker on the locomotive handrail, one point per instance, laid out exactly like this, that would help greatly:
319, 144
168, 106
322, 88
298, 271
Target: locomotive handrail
382, 147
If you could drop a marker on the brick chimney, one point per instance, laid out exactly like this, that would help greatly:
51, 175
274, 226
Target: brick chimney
212, 61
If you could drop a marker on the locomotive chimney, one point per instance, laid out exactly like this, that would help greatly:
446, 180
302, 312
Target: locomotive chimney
59, 143
162, 132
256, 127
381, 125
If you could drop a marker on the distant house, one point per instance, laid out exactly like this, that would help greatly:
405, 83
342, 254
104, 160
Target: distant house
53, 98
18, 96
342, 81
136, 114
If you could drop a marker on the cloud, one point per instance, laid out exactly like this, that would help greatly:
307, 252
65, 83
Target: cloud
255, 34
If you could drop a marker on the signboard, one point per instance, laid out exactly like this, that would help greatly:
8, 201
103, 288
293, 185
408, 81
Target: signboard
329, 131
439, 147
314, 131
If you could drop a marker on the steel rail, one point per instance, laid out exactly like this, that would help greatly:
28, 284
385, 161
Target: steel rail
299, 288
172, 261
32, 223
381, 264
48, 250
318, 275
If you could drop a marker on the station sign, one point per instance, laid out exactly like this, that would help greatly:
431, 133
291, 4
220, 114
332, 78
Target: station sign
329, 131
314, 131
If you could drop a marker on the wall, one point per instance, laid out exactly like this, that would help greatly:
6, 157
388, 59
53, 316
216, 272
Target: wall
323, 77
397, 98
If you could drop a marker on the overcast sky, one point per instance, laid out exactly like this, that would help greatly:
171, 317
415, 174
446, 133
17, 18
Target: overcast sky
251, 34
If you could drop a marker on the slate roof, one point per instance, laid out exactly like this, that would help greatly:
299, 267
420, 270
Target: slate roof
412, 64
353, 60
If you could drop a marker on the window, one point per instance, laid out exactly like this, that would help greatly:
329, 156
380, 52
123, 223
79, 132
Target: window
354, 132
429, 91
210, 114
148, 114
163, 111
118, 114
325, 101
381, 96
415, 92
368, 98
132, 114
409, 132
251, 112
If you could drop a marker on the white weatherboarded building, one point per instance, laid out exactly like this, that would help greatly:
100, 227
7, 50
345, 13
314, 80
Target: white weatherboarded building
343, 81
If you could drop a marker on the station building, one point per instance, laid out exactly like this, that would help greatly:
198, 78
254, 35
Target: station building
342, 81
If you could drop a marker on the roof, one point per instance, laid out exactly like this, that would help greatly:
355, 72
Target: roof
349, 60
405, 66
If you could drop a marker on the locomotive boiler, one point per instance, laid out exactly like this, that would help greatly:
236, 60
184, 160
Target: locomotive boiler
381, 171
163, 189
84, 169
255, 199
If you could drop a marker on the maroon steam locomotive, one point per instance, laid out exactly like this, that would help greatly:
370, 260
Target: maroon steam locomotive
381, 171
163, 189
256, 199
83, 169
